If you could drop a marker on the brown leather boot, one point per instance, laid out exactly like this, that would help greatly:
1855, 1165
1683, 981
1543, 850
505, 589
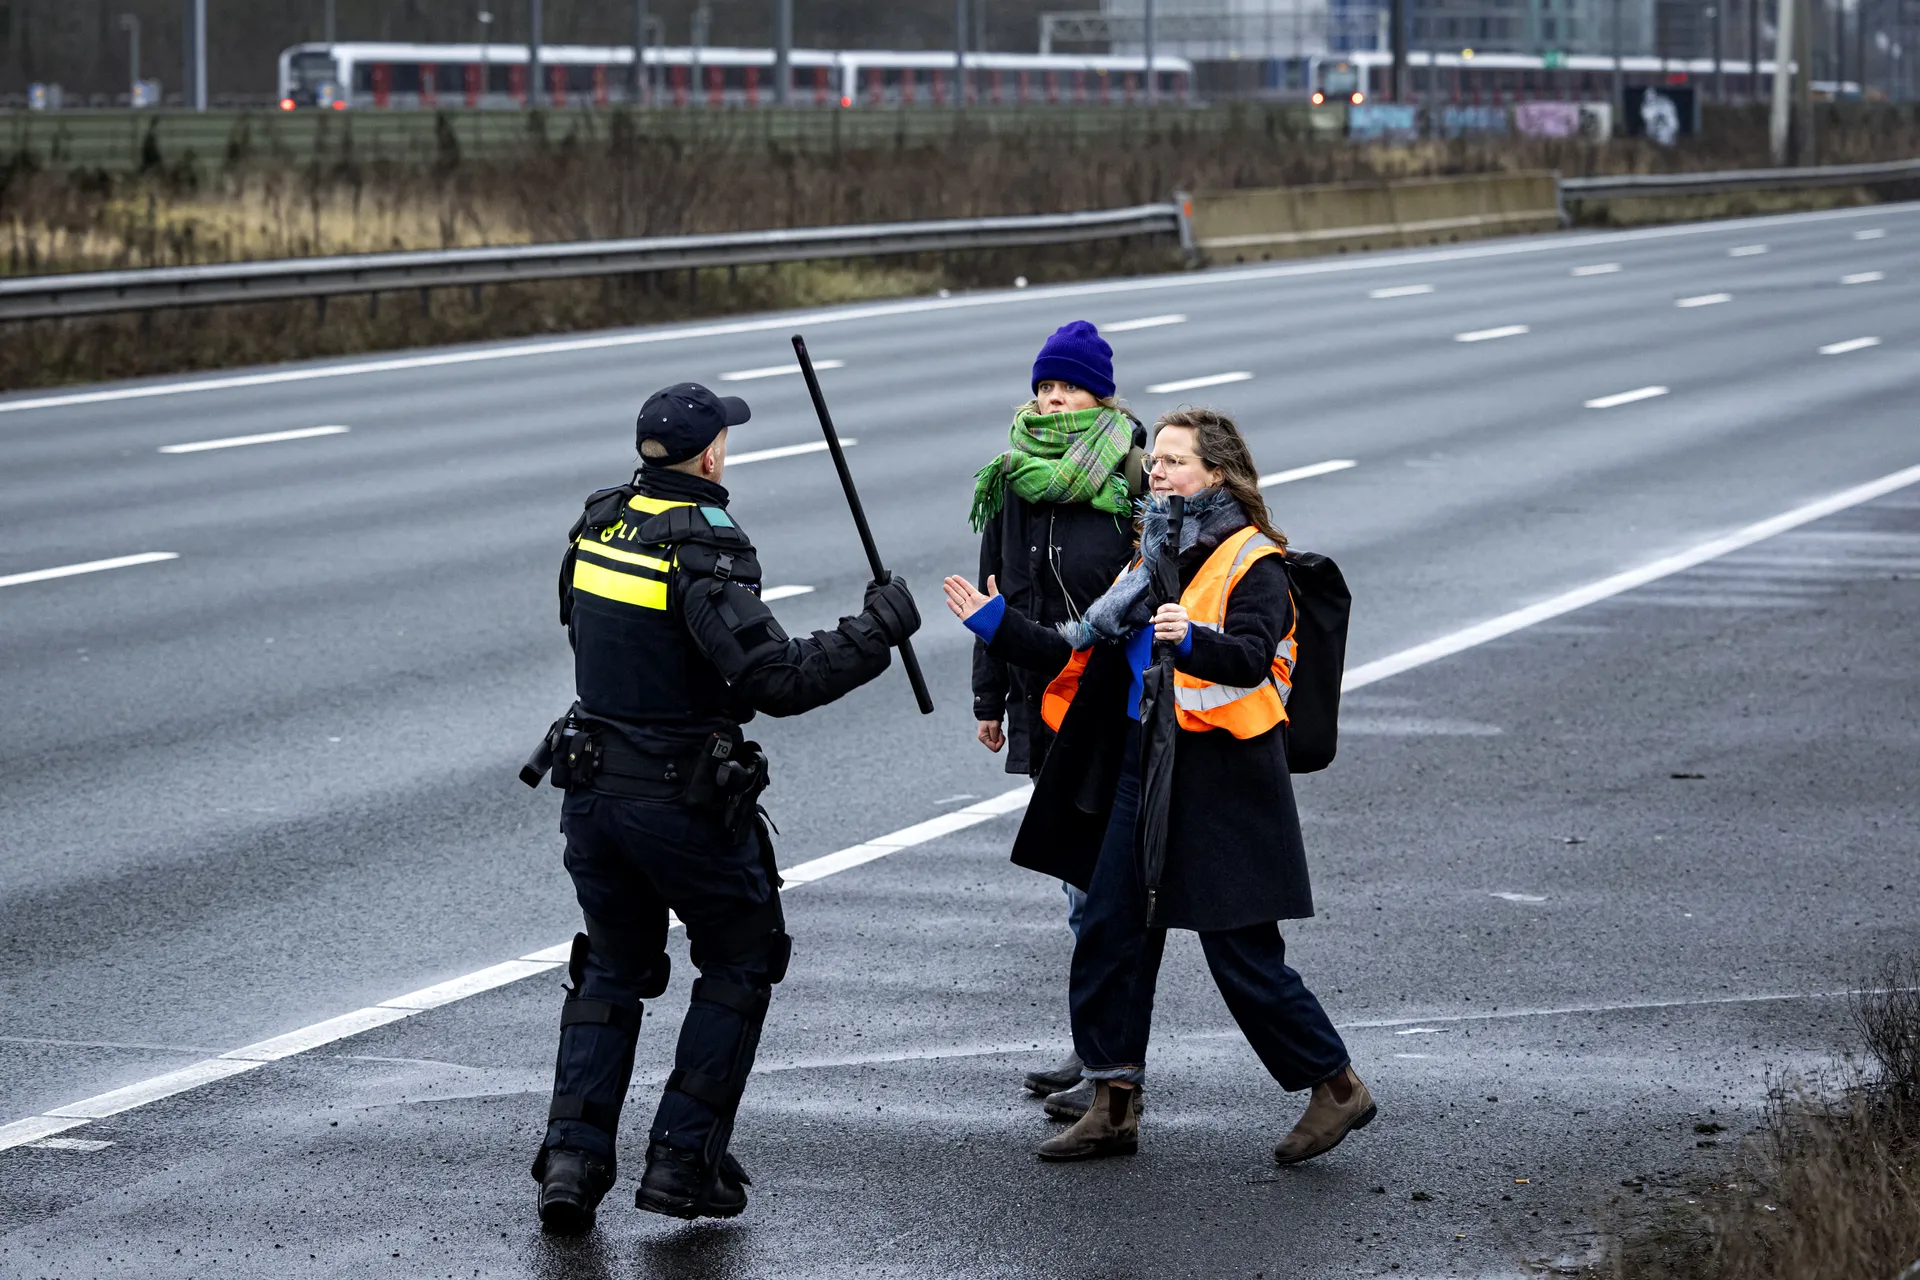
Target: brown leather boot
1336, 1109
1111, 1127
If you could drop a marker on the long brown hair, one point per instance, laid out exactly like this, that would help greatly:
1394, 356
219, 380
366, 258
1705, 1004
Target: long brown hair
1221, 445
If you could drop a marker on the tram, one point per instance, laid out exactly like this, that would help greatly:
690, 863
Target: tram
1499, 78
360, 75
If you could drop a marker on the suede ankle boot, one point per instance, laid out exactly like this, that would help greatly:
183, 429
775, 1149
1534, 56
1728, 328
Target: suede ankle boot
1111, 1127
1329, 1118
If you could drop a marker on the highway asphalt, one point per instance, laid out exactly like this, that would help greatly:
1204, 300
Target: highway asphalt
269, 781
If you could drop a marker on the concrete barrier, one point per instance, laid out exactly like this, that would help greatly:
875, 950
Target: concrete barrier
1279, 222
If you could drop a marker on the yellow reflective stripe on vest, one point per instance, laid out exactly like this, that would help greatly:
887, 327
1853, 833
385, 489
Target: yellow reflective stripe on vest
614, 584
653, 506
624, 557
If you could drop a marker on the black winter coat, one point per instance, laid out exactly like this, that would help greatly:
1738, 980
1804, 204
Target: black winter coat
1234, 853
1051, 561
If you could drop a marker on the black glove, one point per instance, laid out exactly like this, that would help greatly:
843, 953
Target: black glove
890, 606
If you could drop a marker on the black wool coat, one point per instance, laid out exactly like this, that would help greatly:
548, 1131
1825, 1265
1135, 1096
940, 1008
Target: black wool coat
1234, 853
1051, 561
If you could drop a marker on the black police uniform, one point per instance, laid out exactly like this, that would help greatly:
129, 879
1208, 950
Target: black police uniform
673, 651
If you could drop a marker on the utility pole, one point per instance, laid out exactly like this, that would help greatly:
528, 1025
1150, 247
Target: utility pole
960, 52
327, 28
1805, 145
1780, 120
1753, 50
1153, 80
1397, 41
783, 63
535, 20
699, 39
131, 25
1619, 72
641, 80
199, 55
1715, 12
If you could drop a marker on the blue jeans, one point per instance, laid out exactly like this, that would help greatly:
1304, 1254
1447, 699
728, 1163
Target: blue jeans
1076, 907
1116, 965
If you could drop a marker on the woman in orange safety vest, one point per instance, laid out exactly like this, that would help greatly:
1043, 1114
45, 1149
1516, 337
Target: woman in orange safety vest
1235, 864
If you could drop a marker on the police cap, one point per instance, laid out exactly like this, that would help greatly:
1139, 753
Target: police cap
677, 422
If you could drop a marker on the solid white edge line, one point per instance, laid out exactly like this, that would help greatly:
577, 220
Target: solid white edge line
1625, 397
1051, 293
783, 451
113, 1102
90, 566
1487, 335
270, 437
1145, 322
1194, 384
1307, 472
1851, 344
777, 370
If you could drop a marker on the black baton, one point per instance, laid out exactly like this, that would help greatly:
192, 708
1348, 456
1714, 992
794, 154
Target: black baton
907, 660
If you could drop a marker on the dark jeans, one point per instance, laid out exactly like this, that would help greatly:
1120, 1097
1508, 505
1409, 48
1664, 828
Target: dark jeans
630, 861
1116, 963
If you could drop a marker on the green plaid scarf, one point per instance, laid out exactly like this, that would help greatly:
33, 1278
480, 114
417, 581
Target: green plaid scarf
1059, 457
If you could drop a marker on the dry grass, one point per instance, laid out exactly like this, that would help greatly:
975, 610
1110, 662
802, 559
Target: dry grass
1829, 1189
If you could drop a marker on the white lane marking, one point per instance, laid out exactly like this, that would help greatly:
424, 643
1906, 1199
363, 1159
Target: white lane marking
1871, 233
1422, 1031
783, 451
1863, 277
90, 566
1401, 291
1746, 251
1625, 397
1519, 897
72, 1144
1580, 597
1488, 335
777, 371
1598, 269
1703, 300
1307, 472
1051, 293
1413, 1055
1851, 344
1145, 322
470, 984
770, 594
270, 437
1194, 384
34, 1128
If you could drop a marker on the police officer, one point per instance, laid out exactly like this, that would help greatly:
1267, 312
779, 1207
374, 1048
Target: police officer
673, 651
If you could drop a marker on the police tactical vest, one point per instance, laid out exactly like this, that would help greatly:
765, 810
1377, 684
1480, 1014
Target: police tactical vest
633, 658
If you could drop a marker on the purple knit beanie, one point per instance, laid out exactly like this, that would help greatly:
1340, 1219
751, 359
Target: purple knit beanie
1076, 353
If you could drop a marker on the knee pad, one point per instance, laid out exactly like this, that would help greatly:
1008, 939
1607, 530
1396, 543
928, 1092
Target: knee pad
628, 958
755, 941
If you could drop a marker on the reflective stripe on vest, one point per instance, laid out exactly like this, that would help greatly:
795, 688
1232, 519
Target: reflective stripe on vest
603, 568
1200, 705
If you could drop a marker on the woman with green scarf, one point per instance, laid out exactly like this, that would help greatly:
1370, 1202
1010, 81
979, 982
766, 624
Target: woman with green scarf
1055, 518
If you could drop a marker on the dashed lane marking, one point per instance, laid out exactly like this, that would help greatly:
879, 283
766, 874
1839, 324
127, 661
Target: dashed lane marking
782, 451
1488, 335
1746, 251
1598, 269
1864, 277
269, 437
915, 306
777, 371
1194, 384
1307, 472
1703, 300
1145, 322
1625, 397
1871, 233
90, 566
1851, 344
770, 594
72, 1144
252, 1057
1401, 291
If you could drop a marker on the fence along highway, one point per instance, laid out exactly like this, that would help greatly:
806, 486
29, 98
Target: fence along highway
267, 782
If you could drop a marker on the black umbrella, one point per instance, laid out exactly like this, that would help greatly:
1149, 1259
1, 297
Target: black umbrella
1157, 725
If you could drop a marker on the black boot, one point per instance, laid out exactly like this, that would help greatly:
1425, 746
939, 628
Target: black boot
678, 1184
571, 1186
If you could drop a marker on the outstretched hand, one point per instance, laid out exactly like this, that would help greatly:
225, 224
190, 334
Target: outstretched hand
964, 598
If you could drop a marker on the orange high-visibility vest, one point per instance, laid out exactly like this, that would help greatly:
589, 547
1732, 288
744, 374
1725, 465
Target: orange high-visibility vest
1200, 705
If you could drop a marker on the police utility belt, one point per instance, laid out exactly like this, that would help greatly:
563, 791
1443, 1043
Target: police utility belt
721, 773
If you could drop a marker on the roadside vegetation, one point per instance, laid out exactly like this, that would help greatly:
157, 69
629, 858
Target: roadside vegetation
621, 182
1828, 1188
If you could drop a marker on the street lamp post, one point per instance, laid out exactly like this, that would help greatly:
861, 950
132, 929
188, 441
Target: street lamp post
1153, 80
131, 25
486, 67
199, 55
783, 63
535, 20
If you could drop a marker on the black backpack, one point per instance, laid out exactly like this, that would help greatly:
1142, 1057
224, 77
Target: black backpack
1321, 605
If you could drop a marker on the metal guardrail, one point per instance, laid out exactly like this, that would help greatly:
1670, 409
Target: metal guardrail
109, 292
1695, 184
104, 292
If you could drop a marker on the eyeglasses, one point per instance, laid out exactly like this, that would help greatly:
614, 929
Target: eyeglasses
1170, 461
